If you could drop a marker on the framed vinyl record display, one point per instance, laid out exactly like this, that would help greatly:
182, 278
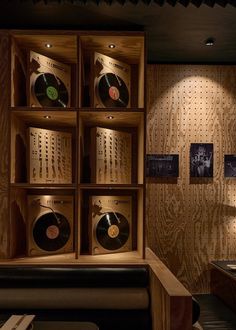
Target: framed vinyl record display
49, 154
111, 159
111, 85
110, 224
49, 82
50, 225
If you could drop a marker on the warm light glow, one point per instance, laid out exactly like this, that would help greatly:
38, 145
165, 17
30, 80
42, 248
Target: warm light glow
210, 42
110, 117
47, 117
48, 45
112, 46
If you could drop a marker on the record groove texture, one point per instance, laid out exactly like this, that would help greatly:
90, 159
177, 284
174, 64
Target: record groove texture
51, 231
112, 91
112, 230
50, 91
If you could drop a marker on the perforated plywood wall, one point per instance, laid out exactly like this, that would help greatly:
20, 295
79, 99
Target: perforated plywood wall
191, 221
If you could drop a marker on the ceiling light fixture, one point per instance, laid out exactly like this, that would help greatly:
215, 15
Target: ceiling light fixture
47, 117
110, 117
48, 45
210, 42
112, 46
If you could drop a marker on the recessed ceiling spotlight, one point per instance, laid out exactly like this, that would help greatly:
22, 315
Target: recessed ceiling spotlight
110, 117
112, 46
210, 42
48, 45
47, 117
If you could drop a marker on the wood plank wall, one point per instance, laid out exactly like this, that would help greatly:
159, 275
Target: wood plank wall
4, 145
191, 222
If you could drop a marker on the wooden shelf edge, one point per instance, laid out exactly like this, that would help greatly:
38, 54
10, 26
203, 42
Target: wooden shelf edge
111, 187
104, 110
19, 109
125, 258
43, 186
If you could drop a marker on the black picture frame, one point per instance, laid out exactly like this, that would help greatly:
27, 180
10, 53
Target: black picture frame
230, 166
201, 160
162, 166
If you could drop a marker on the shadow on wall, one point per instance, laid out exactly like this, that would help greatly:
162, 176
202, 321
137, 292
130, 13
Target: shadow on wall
20, 164
18, 234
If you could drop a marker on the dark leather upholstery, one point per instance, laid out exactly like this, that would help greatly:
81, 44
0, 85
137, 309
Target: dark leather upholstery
31, 277
69, 277
195, 310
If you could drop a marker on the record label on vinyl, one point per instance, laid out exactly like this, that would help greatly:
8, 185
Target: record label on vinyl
52, 93
51, 231
112, 230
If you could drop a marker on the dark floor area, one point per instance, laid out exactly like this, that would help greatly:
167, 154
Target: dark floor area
215, 314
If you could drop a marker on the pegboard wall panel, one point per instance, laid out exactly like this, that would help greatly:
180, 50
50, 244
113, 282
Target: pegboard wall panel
4, 158
192, 221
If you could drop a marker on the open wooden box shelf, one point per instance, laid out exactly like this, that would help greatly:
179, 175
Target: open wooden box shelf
76, 49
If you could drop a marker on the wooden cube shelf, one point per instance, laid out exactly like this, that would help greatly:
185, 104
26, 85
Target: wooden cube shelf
123, 116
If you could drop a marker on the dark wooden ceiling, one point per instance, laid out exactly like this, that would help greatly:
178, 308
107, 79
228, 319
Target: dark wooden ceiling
176, 30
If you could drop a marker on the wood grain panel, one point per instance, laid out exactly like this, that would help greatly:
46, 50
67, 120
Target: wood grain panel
171, 303
128, 48
64, 47
18, 211
4, 134
191, 222
120, 119
47, 118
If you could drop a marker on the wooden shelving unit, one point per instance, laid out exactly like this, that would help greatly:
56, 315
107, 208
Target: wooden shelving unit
76, 48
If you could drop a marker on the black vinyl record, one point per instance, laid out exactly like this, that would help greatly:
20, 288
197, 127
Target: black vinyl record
50, 91
112, 91
112, 230
51, 231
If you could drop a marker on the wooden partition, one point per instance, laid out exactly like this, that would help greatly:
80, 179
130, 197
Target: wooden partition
4, 134
191, 222
171, 303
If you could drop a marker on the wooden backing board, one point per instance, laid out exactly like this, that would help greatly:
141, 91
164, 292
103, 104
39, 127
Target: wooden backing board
18, 150
191, 222
18, 220
4, 147
18, 75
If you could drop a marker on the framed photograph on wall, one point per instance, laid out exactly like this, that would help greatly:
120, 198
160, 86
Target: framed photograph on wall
163, 166
201, 160
230, 166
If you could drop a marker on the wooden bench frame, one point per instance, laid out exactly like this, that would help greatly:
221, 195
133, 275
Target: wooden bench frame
171, 302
